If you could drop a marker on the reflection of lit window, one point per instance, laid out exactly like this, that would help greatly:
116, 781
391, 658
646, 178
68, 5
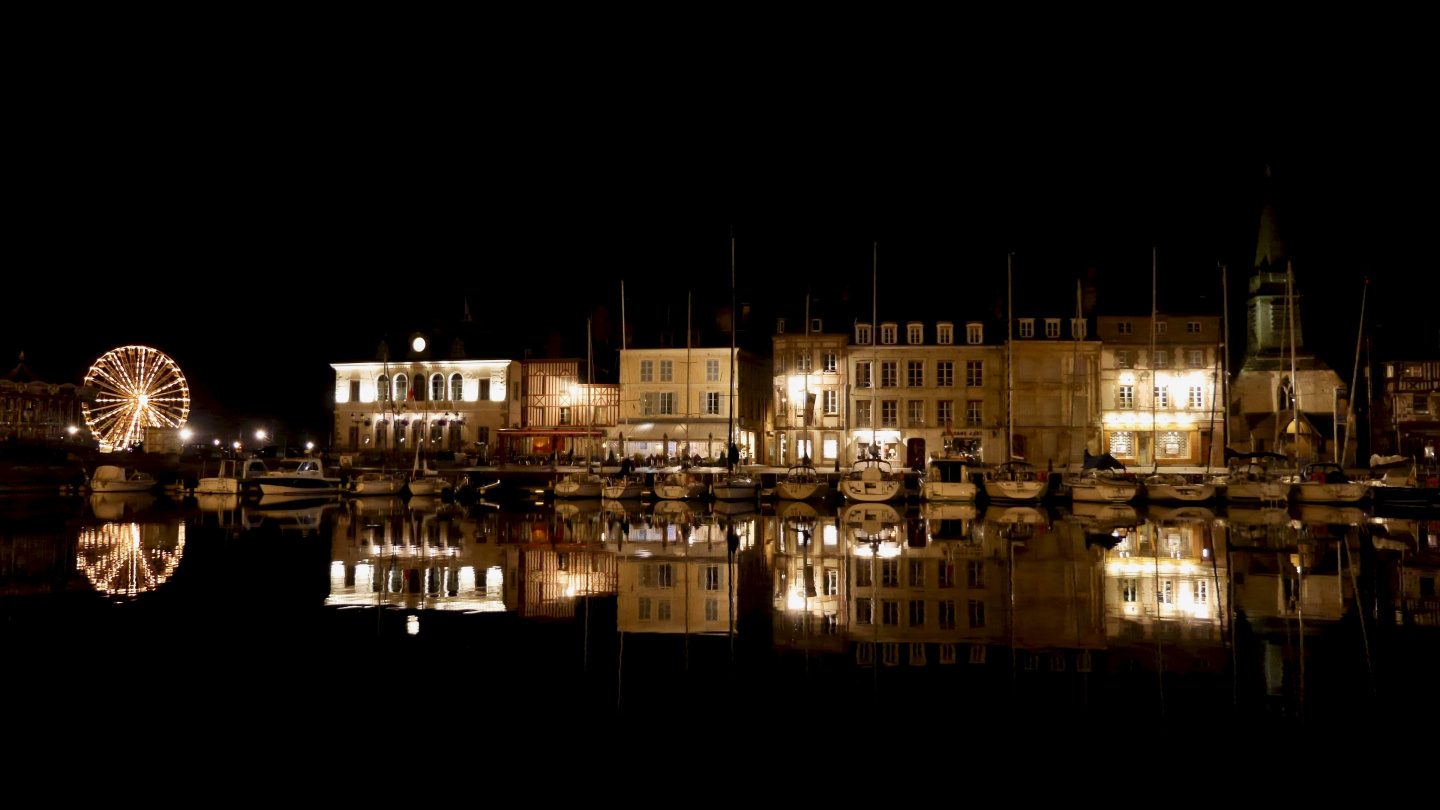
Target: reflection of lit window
890, 573
832, 582
1129, 590
889, 612
712, 610
946, 615
975, 574
862, 611
977, 613
863, 577
1167, 592
644, 608
917, 613
1202, 592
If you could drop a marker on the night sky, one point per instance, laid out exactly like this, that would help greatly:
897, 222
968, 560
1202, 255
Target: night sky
255, 255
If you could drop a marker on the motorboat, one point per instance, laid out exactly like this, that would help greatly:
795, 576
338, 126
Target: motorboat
375, 483
1017, 481
738, 486
871, 480
950, 478
802, 482
1176, 488
1402, 482
1252, 478
1324, 482
109, 478
679, 486
623, 488
235, 477
298, 476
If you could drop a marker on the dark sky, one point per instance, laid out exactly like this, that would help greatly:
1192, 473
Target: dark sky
255, 250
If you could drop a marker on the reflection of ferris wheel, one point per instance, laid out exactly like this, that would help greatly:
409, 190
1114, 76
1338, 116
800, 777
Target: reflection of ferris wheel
127, 559
139, 387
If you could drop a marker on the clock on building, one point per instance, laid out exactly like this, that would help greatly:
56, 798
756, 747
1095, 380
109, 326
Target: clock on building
418, 344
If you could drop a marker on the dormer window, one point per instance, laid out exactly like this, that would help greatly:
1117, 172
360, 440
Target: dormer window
1161, 327
974, 333
945, 334
779, 326
1124, 328
862, 334
1027, 327
1052, 327
1077, 328
816, 325
914, 334
888, 333
1192, 328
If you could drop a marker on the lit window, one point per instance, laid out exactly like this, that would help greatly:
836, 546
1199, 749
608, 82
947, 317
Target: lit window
1173, 444
1122, 444
888, 333
712, 370
1125, 396
457, 388
974, 332
862, 334
667, 371
1162, 396
647, 371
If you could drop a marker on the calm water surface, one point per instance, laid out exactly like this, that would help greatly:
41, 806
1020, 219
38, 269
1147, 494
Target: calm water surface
393, 615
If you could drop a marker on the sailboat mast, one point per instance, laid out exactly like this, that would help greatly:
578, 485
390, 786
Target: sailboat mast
622, 364
1009, 359
730, 427
874, 338
589, 394
688, 297
1294, 381
1225, 360
1354, 380
1074, 374
1154, 377
808, 360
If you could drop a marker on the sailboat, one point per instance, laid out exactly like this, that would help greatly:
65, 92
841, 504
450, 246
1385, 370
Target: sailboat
588, 484
872, 479
735, 485
1013, 480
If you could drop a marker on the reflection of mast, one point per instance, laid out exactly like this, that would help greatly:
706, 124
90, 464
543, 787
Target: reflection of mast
1009, 361
1154, 376
874, 342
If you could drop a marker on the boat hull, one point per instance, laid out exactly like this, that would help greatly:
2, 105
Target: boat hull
679, 492
870, 491
1317, 492
735, 492
219, 486
585, 490
1016, 490
123, 486
1258, 492
948, 491
299, 486
802, 491
623, 493
1180, 493
1090, 492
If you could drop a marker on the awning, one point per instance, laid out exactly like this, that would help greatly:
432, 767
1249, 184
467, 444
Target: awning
658, 431
582, 432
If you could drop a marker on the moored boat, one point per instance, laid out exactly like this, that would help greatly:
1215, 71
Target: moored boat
1176, 488
623, 488
375, 483
871, 480
739, 486
1017, 481
110, 478
580, 485
1324, 482
235, 477
1103, 486
802, 482
950, 478
298, 476
1252, 479
678, 486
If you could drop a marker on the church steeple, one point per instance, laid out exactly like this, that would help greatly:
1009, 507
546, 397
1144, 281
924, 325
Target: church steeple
1267, 311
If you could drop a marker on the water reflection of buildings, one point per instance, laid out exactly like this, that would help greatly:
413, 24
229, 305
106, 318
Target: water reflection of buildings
1166, 583
675, 570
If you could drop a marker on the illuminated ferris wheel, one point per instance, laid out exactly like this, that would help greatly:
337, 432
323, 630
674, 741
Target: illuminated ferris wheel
139, 387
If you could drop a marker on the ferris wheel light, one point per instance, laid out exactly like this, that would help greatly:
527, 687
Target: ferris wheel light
136, 388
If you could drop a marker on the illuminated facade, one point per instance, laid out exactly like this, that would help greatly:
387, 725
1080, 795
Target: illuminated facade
33, 411
560, 413
919, 388
811, 383
1161, 408
676, 402
1055, 396
387, 405
1407, 423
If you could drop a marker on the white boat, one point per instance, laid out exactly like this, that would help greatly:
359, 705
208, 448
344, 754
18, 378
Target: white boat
1176, 488
739, 486
678, 486
375, 483
234, 477
1016, 481
580, 485
118, 505
298, 476
1251, 479
802, 482
110, 478
305, 515
871, 480
428, 485
950, 478
1327, 483
623, 488
1103, 486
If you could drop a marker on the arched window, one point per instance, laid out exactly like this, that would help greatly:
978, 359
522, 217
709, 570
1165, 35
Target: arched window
382, 389
401, 387
1284, 395
457, 388
437, 387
